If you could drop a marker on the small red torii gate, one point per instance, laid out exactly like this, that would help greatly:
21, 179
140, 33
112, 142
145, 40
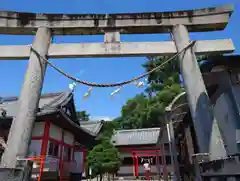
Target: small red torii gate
147, 153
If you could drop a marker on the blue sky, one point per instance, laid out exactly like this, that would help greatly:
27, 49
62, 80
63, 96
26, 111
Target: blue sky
102, 70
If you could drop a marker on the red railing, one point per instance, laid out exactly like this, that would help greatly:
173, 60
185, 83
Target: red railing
48, 164
43, 164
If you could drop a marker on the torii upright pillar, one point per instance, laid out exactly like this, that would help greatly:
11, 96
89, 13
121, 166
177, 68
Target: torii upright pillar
22, 126
205, 124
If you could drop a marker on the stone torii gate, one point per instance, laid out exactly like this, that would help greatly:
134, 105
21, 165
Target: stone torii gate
180, 23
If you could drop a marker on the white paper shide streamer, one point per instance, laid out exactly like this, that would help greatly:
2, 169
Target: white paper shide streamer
88, 93
115, 91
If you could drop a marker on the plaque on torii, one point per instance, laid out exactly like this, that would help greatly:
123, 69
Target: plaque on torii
179, 23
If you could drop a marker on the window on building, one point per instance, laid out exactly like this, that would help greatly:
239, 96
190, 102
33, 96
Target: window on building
53, 149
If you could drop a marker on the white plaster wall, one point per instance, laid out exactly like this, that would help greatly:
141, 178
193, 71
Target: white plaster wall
55, 132
78, 156
51, 163
126, 170
38, 129
68, 138
35, 147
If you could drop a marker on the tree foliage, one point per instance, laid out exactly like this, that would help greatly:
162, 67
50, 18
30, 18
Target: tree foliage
166, 75
83, 116
108, 130
104, 158
145, 111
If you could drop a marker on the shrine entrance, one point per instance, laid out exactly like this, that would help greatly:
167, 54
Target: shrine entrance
153, 157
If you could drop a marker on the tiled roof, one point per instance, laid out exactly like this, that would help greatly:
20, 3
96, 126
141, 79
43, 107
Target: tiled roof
136, 136
48, 103
93, 127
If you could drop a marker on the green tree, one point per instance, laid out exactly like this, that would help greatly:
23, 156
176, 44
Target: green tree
104, 158
83, 116
108, 130
166, 75
144, 111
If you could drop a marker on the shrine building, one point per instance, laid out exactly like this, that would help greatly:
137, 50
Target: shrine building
139, 145
59, 143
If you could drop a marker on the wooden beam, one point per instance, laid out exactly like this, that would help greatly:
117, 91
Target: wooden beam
127, 49
206, 19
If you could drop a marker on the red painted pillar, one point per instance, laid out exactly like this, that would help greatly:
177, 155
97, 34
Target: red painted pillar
136, 165
133, 165
61, 156
44, 146
74, 149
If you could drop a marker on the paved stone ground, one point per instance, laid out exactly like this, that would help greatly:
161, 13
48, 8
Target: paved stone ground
117, 179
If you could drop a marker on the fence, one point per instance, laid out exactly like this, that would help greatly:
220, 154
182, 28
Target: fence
44, 167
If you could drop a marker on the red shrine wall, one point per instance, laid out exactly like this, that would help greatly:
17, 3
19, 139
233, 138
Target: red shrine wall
57, 146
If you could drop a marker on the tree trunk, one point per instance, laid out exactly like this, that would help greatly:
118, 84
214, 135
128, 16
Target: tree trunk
108, 177
101, 177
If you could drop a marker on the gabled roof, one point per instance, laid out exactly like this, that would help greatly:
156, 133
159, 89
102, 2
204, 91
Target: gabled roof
93, 127
136, 137
48, 103
51, 106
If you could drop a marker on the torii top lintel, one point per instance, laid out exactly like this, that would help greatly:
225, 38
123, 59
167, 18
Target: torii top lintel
206, 19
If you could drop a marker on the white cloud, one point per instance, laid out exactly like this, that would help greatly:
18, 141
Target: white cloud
98, 118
